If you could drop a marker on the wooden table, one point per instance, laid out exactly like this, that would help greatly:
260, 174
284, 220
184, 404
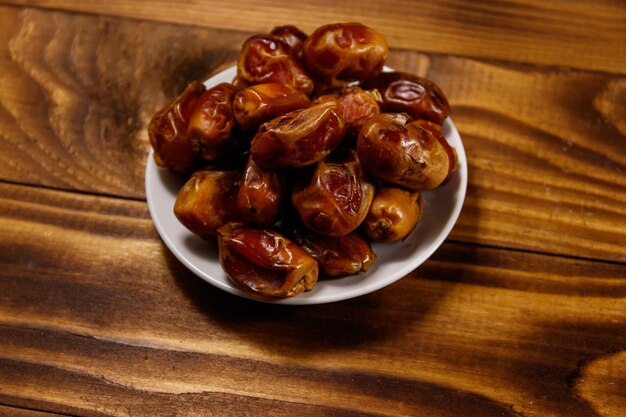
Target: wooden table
522, 311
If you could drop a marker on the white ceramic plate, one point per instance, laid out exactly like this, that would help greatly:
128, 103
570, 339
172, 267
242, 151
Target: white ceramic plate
442, 207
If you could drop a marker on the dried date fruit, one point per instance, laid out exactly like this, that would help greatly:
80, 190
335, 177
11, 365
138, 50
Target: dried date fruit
393, 215
344, 52
419, 97
268, 59
260, 103
337, 198
299, 138
168, 131
291, 35
212, 122
265, 263
260, 195
435, 130
336, 256
357, 106
207, 201
393, 150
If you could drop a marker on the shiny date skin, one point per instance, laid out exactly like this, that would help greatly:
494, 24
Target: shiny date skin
260, 103
260, 195
291, 35
419, 97
299, 138
343, 52
167, 131
394, 151
357, 106
337, 198
268, 59
336, 256
435, 130
264, 263
393, 215
212, 121
207, 201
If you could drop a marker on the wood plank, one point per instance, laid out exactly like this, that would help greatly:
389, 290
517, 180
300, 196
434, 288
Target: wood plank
585, 34
92, 302
6, 411
546, 146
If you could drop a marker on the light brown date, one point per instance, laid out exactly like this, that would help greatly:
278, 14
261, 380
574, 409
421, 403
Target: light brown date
393, 215
268, 59
291, 35
265, 263
393, 150
337, 198
168, 131
357, 106
212, 122
260, 195
435, 130
260, 103
299, 138
344, 52
207, 201
336, 256
419, 97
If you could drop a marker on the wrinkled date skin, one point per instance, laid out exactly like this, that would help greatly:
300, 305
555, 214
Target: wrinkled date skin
344, 52
168, 131
357, 106
260, 195
393, 150
336, 256
338, 196
268, 59
435, 130
418, 97
291, 35
299, 138
212, 122
207, 201
393, 215
260, 103
265, 263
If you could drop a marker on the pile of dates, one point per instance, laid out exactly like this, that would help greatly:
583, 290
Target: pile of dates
310, 154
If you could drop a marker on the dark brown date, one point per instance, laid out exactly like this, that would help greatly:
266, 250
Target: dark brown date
207, 201
344, 52
291, 35
435, 130
393, 150
260, 103
418, 97
211, 123
357, 106
393, 215
299, 138
260, 195
336, 256
168, 131
338, 196
265, 263
268, 59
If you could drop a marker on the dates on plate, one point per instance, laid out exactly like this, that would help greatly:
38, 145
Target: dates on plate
393, 215
299, 138
357, 106
260, 195
207, 201
337, 198
268, 59
291, 35
264, 262
168, 131
393, 150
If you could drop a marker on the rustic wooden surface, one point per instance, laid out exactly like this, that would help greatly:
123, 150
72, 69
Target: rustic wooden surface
522, 312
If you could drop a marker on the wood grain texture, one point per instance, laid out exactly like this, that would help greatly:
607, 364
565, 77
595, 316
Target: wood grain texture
585, 34
6, 411
546, 146
92, 302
